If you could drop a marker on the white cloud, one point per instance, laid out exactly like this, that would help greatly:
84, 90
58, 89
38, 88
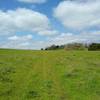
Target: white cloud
20, 38
33, 1
49, 32
78, 15
22, 19
85, 37
18, 42
74, 15
26, 41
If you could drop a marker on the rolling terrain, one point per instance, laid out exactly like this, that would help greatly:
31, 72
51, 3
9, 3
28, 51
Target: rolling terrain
49, 75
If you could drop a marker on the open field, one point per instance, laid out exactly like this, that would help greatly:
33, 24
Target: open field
49, 75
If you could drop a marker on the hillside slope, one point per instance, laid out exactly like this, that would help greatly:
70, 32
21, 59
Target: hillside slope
49, 75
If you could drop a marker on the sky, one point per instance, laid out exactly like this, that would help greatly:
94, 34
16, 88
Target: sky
36, 24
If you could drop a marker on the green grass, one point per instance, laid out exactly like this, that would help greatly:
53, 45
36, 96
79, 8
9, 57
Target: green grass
49, 75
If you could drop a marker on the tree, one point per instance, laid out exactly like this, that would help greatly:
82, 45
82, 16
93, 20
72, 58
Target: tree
74, 46
52, 47
94, 46
41, 48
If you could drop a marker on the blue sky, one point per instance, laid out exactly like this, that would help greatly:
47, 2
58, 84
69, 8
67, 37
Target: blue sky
33, 24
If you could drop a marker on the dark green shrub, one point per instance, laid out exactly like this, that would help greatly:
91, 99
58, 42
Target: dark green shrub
75, 46
94, 46
33, 94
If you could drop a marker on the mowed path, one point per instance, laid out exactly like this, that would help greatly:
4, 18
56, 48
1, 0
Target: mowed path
50, 75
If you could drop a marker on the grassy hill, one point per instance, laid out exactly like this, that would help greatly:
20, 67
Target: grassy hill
49, 75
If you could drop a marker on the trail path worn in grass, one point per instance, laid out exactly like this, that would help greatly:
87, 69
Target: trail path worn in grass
49, 75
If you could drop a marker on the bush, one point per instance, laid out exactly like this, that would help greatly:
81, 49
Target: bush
94, 46
52, 47
33, 94
75, 46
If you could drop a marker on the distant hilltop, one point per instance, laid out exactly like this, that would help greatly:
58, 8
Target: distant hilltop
75, 46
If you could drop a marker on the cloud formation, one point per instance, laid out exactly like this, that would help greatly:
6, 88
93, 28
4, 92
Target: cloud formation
78, 15
23, 19
20, 38
85, 37
81, 17
27, 41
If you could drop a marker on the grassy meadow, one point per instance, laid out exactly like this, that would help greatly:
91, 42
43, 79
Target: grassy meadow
49, 75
